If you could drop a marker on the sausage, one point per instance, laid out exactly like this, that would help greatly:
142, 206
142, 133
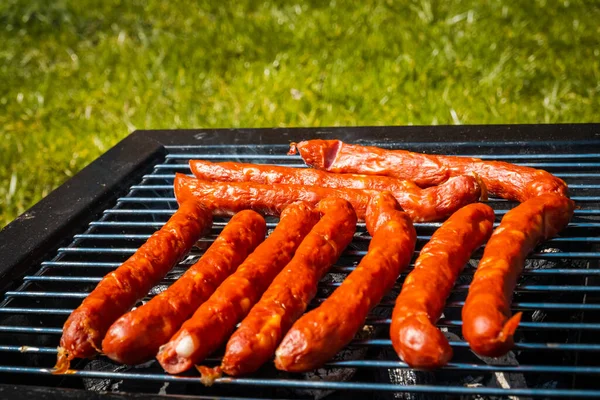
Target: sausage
487, 322
425, 290
225, 198
118, 291
506, 180
337, 156
318, 335
502, 179
255, 341
423, 205
136, 336
215, 320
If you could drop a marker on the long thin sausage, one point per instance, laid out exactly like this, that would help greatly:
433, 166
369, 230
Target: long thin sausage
502, 179
421, 302
255, 341
226, 198
337, 156
212, 323
423, 205
118, 291
137, 335
318, 335
487, 322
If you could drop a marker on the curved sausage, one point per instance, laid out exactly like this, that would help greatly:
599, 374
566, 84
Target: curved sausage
318, 335
136, 336
118, 291
502, 179
337, 156
423, 205
487, 322
225, 198
421, 302
210, 325
255, 341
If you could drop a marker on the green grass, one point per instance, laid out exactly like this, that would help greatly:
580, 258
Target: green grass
76, 77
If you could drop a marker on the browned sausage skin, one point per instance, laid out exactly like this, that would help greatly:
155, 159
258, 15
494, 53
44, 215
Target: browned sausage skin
216, 318
487, 322
502, 179
423, 205
137, 335
226, 198
337, 156
321, 333
421, 302
255, 341
118, 291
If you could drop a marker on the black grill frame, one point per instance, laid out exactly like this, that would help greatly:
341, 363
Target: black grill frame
40, 231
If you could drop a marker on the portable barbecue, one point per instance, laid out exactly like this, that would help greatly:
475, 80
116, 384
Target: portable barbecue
55, 253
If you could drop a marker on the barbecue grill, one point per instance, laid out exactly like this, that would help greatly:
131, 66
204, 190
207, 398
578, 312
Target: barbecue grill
55, 253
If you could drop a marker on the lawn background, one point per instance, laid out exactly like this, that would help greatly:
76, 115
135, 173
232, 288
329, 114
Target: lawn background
78, 76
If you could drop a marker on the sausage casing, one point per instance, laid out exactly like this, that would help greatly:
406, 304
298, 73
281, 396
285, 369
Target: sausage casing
321, 333
226, 198
137, 335
337, 156
487, 322
255, 341
216, 318
118, 291
421, 301
423, 205
502, 179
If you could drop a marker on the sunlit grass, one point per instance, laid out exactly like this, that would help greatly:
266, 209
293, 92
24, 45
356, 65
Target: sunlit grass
76, 77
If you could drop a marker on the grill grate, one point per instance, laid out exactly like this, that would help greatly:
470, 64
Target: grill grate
558, 292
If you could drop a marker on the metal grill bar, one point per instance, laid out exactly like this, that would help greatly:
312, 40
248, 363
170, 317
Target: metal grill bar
354, 253
356, 386
30, 329
126, 224
412, 146
316, 301
369, 342
334, 269
562, 175
170, 211
117, 236
204, 156
170, 188
457, 289
542, 165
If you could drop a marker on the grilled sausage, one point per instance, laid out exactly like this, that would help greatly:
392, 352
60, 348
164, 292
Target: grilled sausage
137, 335
487, 322
423, 205
118, 291
337, 156
425, 290
318, 335
210, 325
255, 341
225, 198
502, 179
